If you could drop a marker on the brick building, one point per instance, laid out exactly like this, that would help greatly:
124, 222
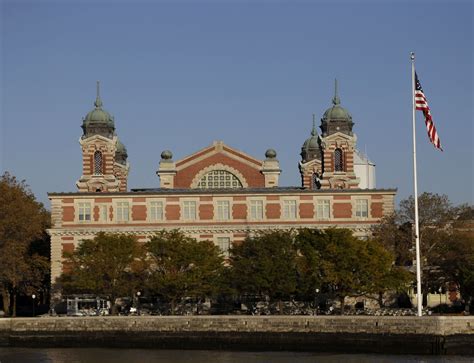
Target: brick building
218, 193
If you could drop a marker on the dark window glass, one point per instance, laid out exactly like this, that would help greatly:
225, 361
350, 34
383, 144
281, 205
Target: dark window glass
338, 160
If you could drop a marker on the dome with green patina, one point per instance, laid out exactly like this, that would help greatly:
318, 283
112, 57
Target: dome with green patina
311, 147
336, 118
337, 112
121, 153
98, 121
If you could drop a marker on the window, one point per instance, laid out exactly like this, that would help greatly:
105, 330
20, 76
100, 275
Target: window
98, 163
84, 212
289, 209
223, 210
156, 211
189, 210
362, 208
224, 244
338, 160
323, 209
103, 213
256, 209
122, 213
219, 179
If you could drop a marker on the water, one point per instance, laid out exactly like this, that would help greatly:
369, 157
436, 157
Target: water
101, 355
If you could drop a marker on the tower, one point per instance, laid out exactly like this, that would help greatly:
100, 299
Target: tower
311, 162
327, 161
104, 157
338, 144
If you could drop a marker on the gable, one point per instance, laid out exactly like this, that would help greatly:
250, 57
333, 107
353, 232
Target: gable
218, 156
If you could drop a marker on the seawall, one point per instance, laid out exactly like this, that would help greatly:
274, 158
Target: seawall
351, 334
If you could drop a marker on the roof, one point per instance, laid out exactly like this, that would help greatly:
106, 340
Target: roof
276, 190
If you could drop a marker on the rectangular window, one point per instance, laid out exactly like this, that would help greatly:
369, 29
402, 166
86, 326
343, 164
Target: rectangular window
156, 211
289, 209
362, 208
256, 209
223, 210
224, 245
189, 210
84, 212
103, 213
123, 212
323, 210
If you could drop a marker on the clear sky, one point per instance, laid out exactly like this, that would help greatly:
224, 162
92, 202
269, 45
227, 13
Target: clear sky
178, 75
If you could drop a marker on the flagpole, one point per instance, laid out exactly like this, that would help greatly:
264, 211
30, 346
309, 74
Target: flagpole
415, 192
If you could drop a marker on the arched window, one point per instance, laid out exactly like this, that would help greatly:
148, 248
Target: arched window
338, 160
98, 170
219, 179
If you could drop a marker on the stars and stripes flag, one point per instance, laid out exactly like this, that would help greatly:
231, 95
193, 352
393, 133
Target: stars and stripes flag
421, 103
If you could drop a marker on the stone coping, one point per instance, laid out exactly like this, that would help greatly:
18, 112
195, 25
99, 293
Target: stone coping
396, 325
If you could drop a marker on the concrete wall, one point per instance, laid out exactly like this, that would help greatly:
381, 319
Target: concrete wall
410, 335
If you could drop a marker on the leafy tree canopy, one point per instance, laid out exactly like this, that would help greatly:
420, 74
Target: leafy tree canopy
23, 222
104, 265
446, 240
265, 265
181, 266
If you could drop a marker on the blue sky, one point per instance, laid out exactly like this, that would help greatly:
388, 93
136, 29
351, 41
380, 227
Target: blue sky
178, 75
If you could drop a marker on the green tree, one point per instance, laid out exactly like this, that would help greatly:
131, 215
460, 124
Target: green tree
309, 263
109, 264
181, 266
23, 222
265, 265
457, 254
436, 218
396, 237
349, 266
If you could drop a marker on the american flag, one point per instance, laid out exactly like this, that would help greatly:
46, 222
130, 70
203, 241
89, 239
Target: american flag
421, 103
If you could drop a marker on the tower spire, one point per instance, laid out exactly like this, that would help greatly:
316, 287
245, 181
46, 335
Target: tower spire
336, 100
313, 131
98, 101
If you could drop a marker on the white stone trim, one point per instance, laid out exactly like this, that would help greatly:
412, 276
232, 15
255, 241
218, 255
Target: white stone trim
222, 199
331, 208
283, 199
249, 201
196, 209
115, 209
197, 178
354, 200
148, 210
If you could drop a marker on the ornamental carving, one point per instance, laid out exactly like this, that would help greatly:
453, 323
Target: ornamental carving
215, 167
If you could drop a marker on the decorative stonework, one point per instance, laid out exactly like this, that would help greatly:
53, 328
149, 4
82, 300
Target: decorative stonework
235, 172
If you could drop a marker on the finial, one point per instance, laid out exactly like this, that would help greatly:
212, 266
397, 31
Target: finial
98, 101
336, 100
313, 131
412, 56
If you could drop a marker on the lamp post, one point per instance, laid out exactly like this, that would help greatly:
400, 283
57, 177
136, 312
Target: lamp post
440, 290
33, 297
316, 300
138, 302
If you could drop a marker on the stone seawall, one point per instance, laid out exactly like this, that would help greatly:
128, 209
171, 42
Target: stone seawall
407, 335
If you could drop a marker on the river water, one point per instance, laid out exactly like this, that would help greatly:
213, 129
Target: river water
102, 355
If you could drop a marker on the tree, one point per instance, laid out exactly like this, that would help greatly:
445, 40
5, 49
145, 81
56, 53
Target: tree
309, 263
181, 266
349, 266
108, 265
23, 221
396, 237
437, 217
265, 265
457, 255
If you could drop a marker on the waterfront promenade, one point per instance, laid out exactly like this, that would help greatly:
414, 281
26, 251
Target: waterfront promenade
351, 334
